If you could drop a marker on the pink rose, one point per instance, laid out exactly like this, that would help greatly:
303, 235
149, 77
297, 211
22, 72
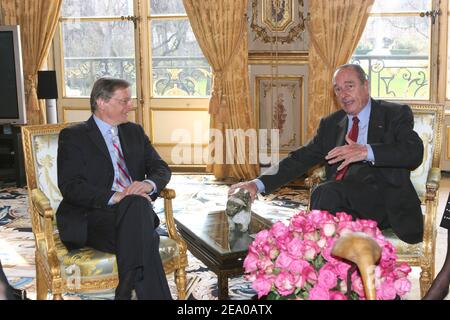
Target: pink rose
262, 285
284, 282
342, 216
273, 253
319, 293
328, 229
342, 269
265, 264
357, 285
283, 261
326, 253
312, 236
261, 237
327, 279
336, 295
310, 250
298, 221
310, 275
317, 216
250, 262
402, 286
403, 269
295, 247
387, 291
297, 266
279, 230
322, 242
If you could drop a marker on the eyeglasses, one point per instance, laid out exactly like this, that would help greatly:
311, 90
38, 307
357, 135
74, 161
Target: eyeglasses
123, 101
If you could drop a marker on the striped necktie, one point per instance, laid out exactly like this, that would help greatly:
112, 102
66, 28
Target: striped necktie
353, 135
122, 179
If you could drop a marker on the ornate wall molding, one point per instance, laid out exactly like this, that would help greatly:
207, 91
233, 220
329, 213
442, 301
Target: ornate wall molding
270, 58
276, 17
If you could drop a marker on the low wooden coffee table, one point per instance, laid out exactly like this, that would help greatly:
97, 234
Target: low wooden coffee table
208, 238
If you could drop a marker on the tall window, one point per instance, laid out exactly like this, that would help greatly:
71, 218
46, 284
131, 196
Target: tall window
178, 65
150, 43
394, 49
98, 39
96, 42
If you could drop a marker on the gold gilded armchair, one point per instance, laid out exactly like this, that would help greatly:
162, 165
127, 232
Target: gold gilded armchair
428, 122
86, 269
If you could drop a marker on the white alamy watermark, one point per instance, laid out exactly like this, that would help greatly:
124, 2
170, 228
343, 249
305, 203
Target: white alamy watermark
233, 146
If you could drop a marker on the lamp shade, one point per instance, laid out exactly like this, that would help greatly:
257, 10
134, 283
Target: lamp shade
47, 88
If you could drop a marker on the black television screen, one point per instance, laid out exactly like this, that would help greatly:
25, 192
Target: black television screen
12, 101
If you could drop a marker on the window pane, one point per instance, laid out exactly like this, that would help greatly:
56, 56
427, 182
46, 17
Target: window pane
179, 67
396, 59
167, 7
96, 49
384, 6
95, 8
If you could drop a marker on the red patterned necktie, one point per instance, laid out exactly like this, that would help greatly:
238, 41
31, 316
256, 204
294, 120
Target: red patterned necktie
353, 135
122, 179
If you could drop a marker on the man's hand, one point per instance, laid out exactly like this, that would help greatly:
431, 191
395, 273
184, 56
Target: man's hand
248, 185
352, 152
138, 187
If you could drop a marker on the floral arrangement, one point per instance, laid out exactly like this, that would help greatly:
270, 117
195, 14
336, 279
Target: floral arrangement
295, 261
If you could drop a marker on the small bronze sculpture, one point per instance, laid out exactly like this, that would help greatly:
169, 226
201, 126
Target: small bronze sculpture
239, 209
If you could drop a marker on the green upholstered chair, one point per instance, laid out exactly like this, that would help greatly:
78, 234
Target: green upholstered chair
83, 270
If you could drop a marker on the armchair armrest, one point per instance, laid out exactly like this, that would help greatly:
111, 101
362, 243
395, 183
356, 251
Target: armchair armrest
42, 204
168, 195
433, 182
41, 210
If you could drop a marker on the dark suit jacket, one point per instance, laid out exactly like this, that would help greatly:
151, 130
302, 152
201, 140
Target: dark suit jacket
86, 173
397, 150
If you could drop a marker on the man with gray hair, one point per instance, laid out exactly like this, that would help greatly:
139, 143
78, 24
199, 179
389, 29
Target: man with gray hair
369, 148
108, 174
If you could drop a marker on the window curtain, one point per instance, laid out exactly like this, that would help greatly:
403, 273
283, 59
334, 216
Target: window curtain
221, 31
37, 20
335, 28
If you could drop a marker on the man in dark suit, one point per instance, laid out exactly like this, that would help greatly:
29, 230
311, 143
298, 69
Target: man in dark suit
108, 174
369, 148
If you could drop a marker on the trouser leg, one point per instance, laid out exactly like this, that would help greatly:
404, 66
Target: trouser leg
360, 200
5, 288
130, 233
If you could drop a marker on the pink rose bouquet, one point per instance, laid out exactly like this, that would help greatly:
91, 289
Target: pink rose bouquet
295, 261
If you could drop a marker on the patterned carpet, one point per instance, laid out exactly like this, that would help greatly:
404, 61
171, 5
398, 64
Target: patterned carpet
194, 193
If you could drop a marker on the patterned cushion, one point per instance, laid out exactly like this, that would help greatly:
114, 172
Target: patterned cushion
96, 264
424, 125
403, 248
46, 153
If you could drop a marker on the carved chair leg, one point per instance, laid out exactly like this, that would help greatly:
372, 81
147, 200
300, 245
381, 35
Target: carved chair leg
425, 279
180, 280
41, 284
58, 296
